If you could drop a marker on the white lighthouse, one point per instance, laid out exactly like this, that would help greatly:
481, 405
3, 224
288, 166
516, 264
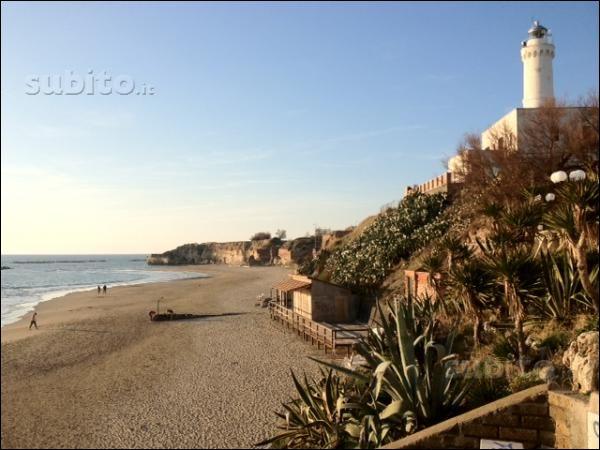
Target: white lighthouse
537, 54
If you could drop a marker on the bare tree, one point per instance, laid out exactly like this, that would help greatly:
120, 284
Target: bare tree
549, 138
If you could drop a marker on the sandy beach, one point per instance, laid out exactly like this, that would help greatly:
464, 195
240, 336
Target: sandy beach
98, 373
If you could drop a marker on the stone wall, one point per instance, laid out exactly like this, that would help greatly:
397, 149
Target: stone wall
570, 412
442, 183
417, 283
535, 417
521, 417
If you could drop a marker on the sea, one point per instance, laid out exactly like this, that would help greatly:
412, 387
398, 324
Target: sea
31, 279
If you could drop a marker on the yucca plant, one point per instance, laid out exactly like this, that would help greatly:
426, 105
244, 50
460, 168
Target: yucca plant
433, 264
516, 271
521, 219
416, 375
562, 284
574, 219
472, 284
492, 210
455, 248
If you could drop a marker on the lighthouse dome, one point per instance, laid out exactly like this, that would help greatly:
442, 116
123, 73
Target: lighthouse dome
537, 31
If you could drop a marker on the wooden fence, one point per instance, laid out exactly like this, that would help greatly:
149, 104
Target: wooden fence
328, 336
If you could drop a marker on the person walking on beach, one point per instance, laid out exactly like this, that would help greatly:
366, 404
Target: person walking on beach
99, 289
33, 321
104, 289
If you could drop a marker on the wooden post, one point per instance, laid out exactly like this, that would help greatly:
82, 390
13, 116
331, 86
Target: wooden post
333, 344
318, 341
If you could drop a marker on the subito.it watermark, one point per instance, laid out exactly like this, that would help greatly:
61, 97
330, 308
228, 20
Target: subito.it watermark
91, 83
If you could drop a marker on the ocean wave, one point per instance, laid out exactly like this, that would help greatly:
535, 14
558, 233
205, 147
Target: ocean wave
14, 307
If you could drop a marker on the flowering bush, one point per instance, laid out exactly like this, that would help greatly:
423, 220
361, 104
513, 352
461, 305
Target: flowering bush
393, 236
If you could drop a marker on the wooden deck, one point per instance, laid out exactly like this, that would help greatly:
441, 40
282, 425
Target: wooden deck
327, 335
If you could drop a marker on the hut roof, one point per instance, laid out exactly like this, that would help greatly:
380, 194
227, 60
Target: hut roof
291, 285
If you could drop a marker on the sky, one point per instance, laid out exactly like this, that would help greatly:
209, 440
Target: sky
262, 116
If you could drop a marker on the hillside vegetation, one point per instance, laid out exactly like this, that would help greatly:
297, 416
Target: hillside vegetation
364, 261
513, 265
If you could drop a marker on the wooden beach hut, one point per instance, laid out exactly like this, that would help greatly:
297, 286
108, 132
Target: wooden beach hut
316, 300
321, 312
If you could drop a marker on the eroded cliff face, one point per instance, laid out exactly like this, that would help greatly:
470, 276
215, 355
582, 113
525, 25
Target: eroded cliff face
258, 252
261, 252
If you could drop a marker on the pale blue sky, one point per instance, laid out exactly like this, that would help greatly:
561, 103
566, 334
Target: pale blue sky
265, 116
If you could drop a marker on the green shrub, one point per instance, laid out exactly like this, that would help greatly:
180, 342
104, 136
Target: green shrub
555, 341
525, 381
394, 235
505, 347
486, 390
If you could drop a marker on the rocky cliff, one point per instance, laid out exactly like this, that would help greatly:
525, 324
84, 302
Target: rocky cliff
256, 252
259, 252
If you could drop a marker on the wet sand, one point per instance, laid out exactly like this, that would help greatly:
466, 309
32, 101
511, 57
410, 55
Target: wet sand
98, 373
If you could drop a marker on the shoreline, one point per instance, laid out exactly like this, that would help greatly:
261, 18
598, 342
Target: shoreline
103, 375
53, 295
14, 329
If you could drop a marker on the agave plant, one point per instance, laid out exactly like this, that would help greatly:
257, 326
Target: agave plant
412, 378
407, 382
322, 416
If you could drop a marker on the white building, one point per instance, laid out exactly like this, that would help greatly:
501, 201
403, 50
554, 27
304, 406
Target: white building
537, 53
514, 128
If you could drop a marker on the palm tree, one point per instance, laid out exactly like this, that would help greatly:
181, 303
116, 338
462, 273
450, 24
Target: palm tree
574, 218
472, 283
